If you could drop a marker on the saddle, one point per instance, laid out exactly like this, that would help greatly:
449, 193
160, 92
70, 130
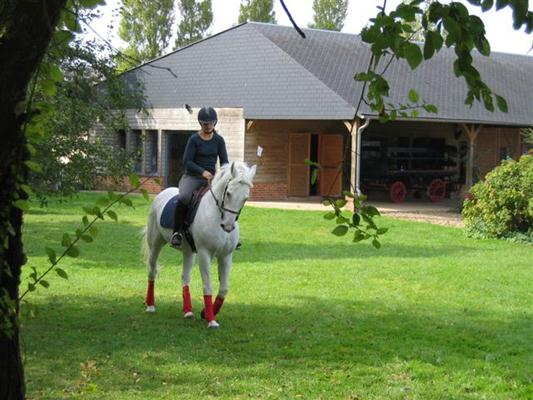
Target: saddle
167, 216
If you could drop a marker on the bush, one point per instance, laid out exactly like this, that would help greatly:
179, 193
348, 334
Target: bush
501, 206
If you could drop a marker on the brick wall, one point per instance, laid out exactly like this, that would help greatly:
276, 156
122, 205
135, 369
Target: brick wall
269, 191
150, 185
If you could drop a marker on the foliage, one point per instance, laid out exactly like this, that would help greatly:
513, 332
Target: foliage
501, 205
196, 18
146, 27
257, 10
308, 315
86, 233
69, 158
527, 134
329, 14
362, 220
442, 24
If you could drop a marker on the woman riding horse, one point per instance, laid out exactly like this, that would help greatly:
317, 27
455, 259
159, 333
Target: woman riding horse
200, 158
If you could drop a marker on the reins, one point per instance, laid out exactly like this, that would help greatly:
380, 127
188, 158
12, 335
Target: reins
220, 205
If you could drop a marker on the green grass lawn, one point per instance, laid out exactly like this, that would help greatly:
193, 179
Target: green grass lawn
431, 315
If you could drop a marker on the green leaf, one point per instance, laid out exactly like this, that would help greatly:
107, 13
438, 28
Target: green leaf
329, 215
340, 230
85, 220
145, 194
61, 273
48, 87
55, 73
376, 243
93, 231
348, 194
502, 103
66, 241
134, 180
358, 236
356, 219
314, 176
413, 96
112, 215
31, 287
73, 252
35, 167
126, 201
51, 254
340, 203
22, 205
44, 283
413, 54
487, 5
429, 46
371, 211
382, 231
88, 210
431, 108
87, 238
26, 188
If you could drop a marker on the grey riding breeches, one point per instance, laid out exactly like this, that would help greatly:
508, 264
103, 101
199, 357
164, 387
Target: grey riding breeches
187, 185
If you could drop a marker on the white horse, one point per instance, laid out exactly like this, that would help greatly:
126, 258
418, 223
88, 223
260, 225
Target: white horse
215, 231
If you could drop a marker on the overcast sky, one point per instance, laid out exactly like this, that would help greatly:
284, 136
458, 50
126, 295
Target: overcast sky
501, 35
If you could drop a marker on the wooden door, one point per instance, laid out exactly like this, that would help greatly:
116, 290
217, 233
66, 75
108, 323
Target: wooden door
299, 148
330, 156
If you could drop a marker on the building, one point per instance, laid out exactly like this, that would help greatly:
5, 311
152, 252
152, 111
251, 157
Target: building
296, 99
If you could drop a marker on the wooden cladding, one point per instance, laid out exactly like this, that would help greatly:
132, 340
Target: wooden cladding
330, 158
299, 150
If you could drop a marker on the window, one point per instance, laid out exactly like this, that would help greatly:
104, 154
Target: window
152, 151
136, 149
120, 139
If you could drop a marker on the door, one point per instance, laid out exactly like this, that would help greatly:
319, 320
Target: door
330, 157
299, 148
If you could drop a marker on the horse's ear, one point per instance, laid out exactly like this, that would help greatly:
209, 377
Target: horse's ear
251, 173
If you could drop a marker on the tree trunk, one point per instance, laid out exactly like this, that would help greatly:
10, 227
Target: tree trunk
25, 32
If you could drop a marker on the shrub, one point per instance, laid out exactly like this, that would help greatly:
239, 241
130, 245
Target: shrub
501, 206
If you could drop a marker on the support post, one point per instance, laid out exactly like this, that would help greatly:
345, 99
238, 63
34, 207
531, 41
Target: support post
471, 131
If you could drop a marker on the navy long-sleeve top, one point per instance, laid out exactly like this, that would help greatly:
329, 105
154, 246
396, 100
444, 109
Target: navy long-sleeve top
201, 155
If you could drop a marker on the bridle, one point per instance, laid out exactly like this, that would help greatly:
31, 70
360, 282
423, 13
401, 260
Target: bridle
220, 204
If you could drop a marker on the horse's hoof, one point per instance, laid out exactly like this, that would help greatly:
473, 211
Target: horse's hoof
150, 309
188, 315
213, 325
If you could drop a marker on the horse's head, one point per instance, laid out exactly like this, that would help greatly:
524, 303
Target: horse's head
237, 181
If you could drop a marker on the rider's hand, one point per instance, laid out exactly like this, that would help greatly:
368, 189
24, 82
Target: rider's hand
207, 175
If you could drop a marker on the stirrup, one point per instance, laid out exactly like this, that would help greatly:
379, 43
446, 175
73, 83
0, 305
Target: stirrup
176, 239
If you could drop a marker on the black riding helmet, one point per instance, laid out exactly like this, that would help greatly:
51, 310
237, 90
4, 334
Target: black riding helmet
207, 114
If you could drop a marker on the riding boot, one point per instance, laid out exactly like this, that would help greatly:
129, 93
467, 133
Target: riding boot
179, 219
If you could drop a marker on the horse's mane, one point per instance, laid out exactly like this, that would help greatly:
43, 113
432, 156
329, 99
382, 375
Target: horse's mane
224, 173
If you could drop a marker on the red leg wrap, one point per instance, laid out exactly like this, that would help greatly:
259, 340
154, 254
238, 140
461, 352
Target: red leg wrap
150, 297
208, 303
218, 304
187, 304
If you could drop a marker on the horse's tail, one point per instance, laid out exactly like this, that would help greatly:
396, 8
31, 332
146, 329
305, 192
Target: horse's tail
150, 247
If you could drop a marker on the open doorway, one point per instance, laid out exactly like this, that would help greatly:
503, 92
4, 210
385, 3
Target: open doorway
176, 140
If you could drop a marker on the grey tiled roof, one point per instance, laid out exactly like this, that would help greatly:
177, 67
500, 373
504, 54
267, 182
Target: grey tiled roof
273, 73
